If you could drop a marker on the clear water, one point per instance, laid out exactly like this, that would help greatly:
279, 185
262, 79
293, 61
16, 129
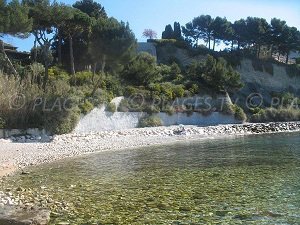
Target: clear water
244, 180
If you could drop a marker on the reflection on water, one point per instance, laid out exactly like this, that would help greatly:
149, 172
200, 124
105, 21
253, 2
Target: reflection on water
244, 180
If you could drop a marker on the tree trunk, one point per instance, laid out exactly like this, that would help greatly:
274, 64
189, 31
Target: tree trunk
232, 42
59, 48
103, 64
46, 77
208, 42
258, 51
94, 71
72, 66
214, 45
11, 66
287, 58
46, 48
35, 50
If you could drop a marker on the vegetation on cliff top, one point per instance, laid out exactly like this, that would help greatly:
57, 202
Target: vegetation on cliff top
82, 58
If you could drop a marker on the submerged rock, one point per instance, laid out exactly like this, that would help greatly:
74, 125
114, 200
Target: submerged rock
19, 216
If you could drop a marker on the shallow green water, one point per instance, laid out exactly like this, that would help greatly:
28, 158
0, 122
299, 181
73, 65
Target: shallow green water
245, 180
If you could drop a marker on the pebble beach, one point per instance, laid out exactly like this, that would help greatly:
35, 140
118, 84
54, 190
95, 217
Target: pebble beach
16, 155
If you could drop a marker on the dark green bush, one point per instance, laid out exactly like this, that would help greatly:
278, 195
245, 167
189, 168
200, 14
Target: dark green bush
150, 121
86, 107
124, 106
151, 109
82, 78
169, 110
258, 65
2, 123
227, 109
111, 107
61, 122
276, 115
293, 70
239, 113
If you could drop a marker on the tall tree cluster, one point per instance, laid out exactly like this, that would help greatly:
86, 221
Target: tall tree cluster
170, 33
252, 32
79, 36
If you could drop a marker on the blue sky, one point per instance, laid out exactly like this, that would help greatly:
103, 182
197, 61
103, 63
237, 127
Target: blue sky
156, 14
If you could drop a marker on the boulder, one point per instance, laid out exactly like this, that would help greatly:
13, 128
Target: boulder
20, 216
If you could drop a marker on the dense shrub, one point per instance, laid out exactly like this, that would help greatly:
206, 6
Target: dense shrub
239, 113
111, 107
2, 123
124, 106
276, 115
150, 121
151, 109
86, 107
55, 73
62, 122
82, 78
169, 110
263, 66
293, 70
227, 109
258, 65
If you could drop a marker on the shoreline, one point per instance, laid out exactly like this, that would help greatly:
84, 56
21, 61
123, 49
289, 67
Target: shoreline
15, 156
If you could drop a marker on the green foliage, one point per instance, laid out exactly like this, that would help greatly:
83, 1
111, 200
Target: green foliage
62, 122
111, 107
228, 109
151, 109
111, 42
150, 121
2, 123
123, 106
263, 66
216, 73
293, 70
169, 33
142, 70
82, 78
15, 19
239, 113
86, 107
55, 73
276, 115
169, 110
91, 8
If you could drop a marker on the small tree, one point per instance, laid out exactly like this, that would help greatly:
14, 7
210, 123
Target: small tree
149, 33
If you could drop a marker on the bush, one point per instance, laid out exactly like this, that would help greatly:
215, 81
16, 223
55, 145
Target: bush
227, 109
239, 113
169, 110
86, 107
2, 123
61, 122
55, 73
111, 107
257, 65
151, 109
293, 70
150, 121
276, 115
124, 106
82, 78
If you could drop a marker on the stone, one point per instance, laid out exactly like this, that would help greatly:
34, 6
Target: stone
19, 216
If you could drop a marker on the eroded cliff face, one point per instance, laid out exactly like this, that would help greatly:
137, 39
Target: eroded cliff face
280, 81
265, 84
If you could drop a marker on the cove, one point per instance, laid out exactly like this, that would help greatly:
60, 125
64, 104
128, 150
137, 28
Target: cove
238, 180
